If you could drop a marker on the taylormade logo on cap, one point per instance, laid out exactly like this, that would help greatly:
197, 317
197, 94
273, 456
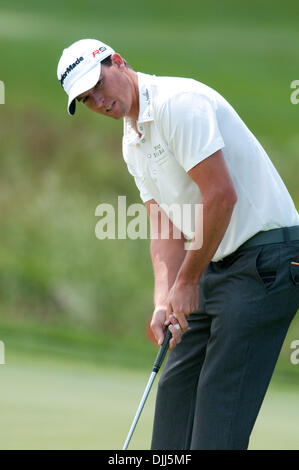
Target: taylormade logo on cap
79, 68
69, 69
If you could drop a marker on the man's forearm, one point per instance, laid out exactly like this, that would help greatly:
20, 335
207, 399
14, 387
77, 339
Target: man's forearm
167, 257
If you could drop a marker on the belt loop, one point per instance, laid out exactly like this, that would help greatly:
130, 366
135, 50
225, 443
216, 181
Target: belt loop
286, 235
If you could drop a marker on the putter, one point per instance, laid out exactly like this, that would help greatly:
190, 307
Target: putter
158, 362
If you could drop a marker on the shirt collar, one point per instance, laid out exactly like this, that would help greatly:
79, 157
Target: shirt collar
145, 107
145, 98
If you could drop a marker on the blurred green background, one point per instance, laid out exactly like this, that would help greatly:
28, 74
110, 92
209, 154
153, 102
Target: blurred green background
74, 309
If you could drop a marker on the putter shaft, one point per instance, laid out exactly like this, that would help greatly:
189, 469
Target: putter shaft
140, 408
158, 362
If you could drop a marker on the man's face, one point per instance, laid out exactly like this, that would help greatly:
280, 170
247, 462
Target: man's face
114, 93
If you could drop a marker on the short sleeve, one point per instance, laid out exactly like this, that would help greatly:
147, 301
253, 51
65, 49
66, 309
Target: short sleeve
189, 124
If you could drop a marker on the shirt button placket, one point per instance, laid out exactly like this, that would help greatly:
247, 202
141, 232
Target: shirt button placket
140, 130
142, 137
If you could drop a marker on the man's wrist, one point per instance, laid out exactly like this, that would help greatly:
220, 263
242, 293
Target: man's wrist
187, 278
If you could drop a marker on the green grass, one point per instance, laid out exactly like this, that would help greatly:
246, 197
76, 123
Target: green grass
73, 309
61, 405
277, 425
70, 389
52, 403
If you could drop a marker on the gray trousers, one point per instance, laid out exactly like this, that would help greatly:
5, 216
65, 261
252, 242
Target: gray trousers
215, 380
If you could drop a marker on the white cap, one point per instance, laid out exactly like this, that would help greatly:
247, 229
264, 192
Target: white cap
79, 68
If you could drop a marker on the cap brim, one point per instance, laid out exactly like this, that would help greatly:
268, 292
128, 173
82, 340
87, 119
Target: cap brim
88, 81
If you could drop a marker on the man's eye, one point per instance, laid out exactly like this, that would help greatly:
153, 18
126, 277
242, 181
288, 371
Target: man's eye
98, 84
84, 99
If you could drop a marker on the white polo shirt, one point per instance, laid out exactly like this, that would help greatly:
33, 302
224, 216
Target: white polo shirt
182, 122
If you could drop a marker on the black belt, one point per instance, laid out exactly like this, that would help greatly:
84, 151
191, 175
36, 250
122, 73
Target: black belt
277, 235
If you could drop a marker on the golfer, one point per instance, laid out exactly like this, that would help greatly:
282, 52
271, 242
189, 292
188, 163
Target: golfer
228, 302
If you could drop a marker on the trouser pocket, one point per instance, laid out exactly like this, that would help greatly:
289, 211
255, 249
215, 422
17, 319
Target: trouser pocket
267, 265
268, 278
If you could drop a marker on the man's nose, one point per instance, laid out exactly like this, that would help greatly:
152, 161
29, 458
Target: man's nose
97, 98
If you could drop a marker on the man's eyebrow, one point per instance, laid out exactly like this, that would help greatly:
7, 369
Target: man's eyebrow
82, 97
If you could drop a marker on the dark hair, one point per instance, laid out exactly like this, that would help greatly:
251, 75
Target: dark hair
108, 62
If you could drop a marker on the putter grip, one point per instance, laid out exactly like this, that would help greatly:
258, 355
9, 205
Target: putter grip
162, 352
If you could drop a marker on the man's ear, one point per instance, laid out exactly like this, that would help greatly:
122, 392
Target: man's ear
117, 60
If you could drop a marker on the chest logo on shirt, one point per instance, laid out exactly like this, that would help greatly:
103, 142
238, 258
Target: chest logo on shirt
159, 150
158, 155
